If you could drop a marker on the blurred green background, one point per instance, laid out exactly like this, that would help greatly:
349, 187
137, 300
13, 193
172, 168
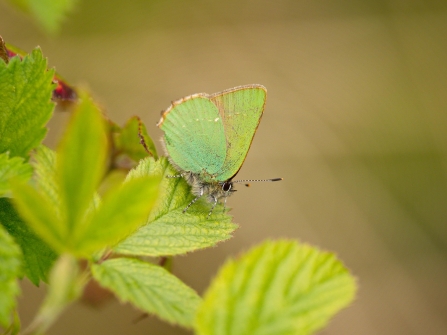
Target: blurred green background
355, 123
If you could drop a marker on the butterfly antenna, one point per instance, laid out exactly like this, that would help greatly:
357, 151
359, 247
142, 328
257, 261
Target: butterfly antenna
254, 180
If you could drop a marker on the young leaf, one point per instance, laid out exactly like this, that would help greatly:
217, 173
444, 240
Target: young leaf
13, 167
59, 211
25, 103
37, 256
81, 161
9, 271
128, 140
44, 164
49, 13
276, 288
123, 210
150, 288
41, 216
169, 231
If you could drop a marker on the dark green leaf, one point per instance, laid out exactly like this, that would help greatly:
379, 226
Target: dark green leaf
276, 288
9, 271
169, 231
37, 256
25, 103
150, 288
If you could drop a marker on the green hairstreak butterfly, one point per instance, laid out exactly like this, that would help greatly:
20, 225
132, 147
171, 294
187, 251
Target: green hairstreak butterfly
207, 137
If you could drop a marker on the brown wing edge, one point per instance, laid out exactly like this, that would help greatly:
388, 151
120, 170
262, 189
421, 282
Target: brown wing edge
238, 88
165, 112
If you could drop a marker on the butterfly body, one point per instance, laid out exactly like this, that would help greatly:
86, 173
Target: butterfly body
213, 190
207, 137
204, 184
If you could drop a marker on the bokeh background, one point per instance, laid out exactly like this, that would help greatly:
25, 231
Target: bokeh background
355, 123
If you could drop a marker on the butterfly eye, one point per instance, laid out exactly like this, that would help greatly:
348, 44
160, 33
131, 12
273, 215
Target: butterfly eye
227, 186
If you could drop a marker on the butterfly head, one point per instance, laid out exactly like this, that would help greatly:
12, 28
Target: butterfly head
228, 188
218, 190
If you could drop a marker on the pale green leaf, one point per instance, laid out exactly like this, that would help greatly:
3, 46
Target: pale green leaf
44, 164
81, 161
150, 288
49, 13
65, 197
40, 215
122, 210
14, 167
10, 258
26, 87
169, 231
276, 288
37, 256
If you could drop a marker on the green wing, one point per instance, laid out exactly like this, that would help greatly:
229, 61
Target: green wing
241, 109
194, 134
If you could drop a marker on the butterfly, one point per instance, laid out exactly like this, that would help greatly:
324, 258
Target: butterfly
207, 137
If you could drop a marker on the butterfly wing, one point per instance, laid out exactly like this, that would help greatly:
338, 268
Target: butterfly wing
194, 134
241, 109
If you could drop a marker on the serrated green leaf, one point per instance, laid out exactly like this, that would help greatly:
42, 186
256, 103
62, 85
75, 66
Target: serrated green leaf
150, 288
49, 13
128, 140
37, 256
81, 161
276, 288
26, 87
10, 258
123, 210
14, 167
169, 231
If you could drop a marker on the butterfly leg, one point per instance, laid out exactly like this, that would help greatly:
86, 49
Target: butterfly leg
180, 175
212, 208
193, 201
